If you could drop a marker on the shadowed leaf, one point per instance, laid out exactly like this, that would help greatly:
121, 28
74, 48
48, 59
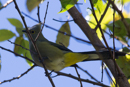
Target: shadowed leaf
61, 38
19, 41
31, 4
124, 63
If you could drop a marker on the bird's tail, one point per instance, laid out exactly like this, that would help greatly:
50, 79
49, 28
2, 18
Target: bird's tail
72, 58
93, 55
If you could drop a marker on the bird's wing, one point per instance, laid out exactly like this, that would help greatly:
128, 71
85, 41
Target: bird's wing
63, 48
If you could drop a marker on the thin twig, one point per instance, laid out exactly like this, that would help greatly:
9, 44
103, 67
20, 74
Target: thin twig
102, 72
83, 80
102, 16
88, 73
22, 47
43, 22
38, 13
103, 35
117, 38
14, 78
33, 42
17, 54
77, 38
108, 74
114, 43
7, 3
62, 21
100, 27
81, 85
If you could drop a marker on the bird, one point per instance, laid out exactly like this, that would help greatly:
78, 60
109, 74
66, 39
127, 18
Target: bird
55, 56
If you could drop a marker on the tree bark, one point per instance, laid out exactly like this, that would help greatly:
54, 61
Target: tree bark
92, 36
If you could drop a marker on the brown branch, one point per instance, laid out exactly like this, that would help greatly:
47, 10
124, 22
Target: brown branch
92, 36
100, 26
7, 3
43, 22
22, 47
102, 16
117, 70
38, 13
88, 74
102, 72
62, 21
14, 78
81, 85
17, 54
33, 42
83, 80
117, 38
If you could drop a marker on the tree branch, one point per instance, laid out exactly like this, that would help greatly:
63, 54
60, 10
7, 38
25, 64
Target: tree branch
18, 76
92, 36
83, 80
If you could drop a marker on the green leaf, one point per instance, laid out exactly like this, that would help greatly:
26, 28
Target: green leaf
125, 49
100, 8
123, 1
15, 22
19, 41
67, 4
27, 53
22, 51
19, 30
6, 34
94, 1
61, 38
0, 4
31, 4
84, 1
113, 83
124, 64
119, 29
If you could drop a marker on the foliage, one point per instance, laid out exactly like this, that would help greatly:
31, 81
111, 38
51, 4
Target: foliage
99, 8
62, 39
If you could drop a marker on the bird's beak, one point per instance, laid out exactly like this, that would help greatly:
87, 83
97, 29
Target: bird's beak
24, 31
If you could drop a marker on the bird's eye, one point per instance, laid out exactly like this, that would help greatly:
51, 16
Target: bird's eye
32, 31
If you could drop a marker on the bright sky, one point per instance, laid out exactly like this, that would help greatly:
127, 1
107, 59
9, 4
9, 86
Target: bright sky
13, 66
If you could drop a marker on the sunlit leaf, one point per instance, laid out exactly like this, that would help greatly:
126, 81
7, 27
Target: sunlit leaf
61, 38
100, 7
6, 34
114, 85
15, 22
31, 4
67, 4
84, 1
123, 1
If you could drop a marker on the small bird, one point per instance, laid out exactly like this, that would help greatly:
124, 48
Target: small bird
55, 56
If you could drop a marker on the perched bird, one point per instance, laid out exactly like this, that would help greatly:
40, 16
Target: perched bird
55, 56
